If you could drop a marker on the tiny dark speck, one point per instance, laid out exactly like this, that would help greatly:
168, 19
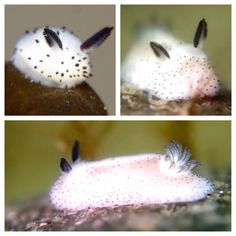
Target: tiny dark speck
62, 62
35, 67
76, 64
62, 74
48, 55
67, 103
36, 40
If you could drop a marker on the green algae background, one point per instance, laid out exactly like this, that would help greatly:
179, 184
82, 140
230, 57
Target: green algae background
33, 148
182, 20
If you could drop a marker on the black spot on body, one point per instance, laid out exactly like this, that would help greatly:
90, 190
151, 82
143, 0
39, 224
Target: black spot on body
36, 40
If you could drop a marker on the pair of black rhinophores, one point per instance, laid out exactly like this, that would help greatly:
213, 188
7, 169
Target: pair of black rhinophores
75, 155
201, 33
97, 39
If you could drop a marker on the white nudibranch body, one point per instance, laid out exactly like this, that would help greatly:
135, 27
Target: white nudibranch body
129, 180
56, 57
169, 68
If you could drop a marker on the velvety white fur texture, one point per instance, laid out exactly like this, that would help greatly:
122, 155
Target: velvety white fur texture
52, 65
131, 180
186, 74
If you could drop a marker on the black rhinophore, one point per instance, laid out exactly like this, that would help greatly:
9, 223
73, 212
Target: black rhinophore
75, 153
65, 166
97, 39
159, 50
51, 37
201, 32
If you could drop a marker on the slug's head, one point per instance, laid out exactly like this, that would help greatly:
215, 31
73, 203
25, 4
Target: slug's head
190, 63
75, 156
176, 161
55, 57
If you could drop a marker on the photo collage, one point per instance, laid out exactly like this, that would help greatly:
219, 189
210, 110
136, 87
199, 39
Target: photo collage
117, 116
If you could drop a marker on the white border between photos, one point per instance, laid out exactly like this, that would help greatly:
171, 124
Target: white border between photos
118, 3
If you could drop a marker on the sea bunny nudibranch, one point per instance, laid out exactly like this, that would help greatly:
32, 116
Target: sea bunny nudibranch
140, 179
170, 69
56, 57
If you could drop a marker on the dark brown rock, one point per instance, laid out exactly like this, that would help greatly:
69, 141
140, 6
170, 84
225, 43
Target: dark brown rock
23, 97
